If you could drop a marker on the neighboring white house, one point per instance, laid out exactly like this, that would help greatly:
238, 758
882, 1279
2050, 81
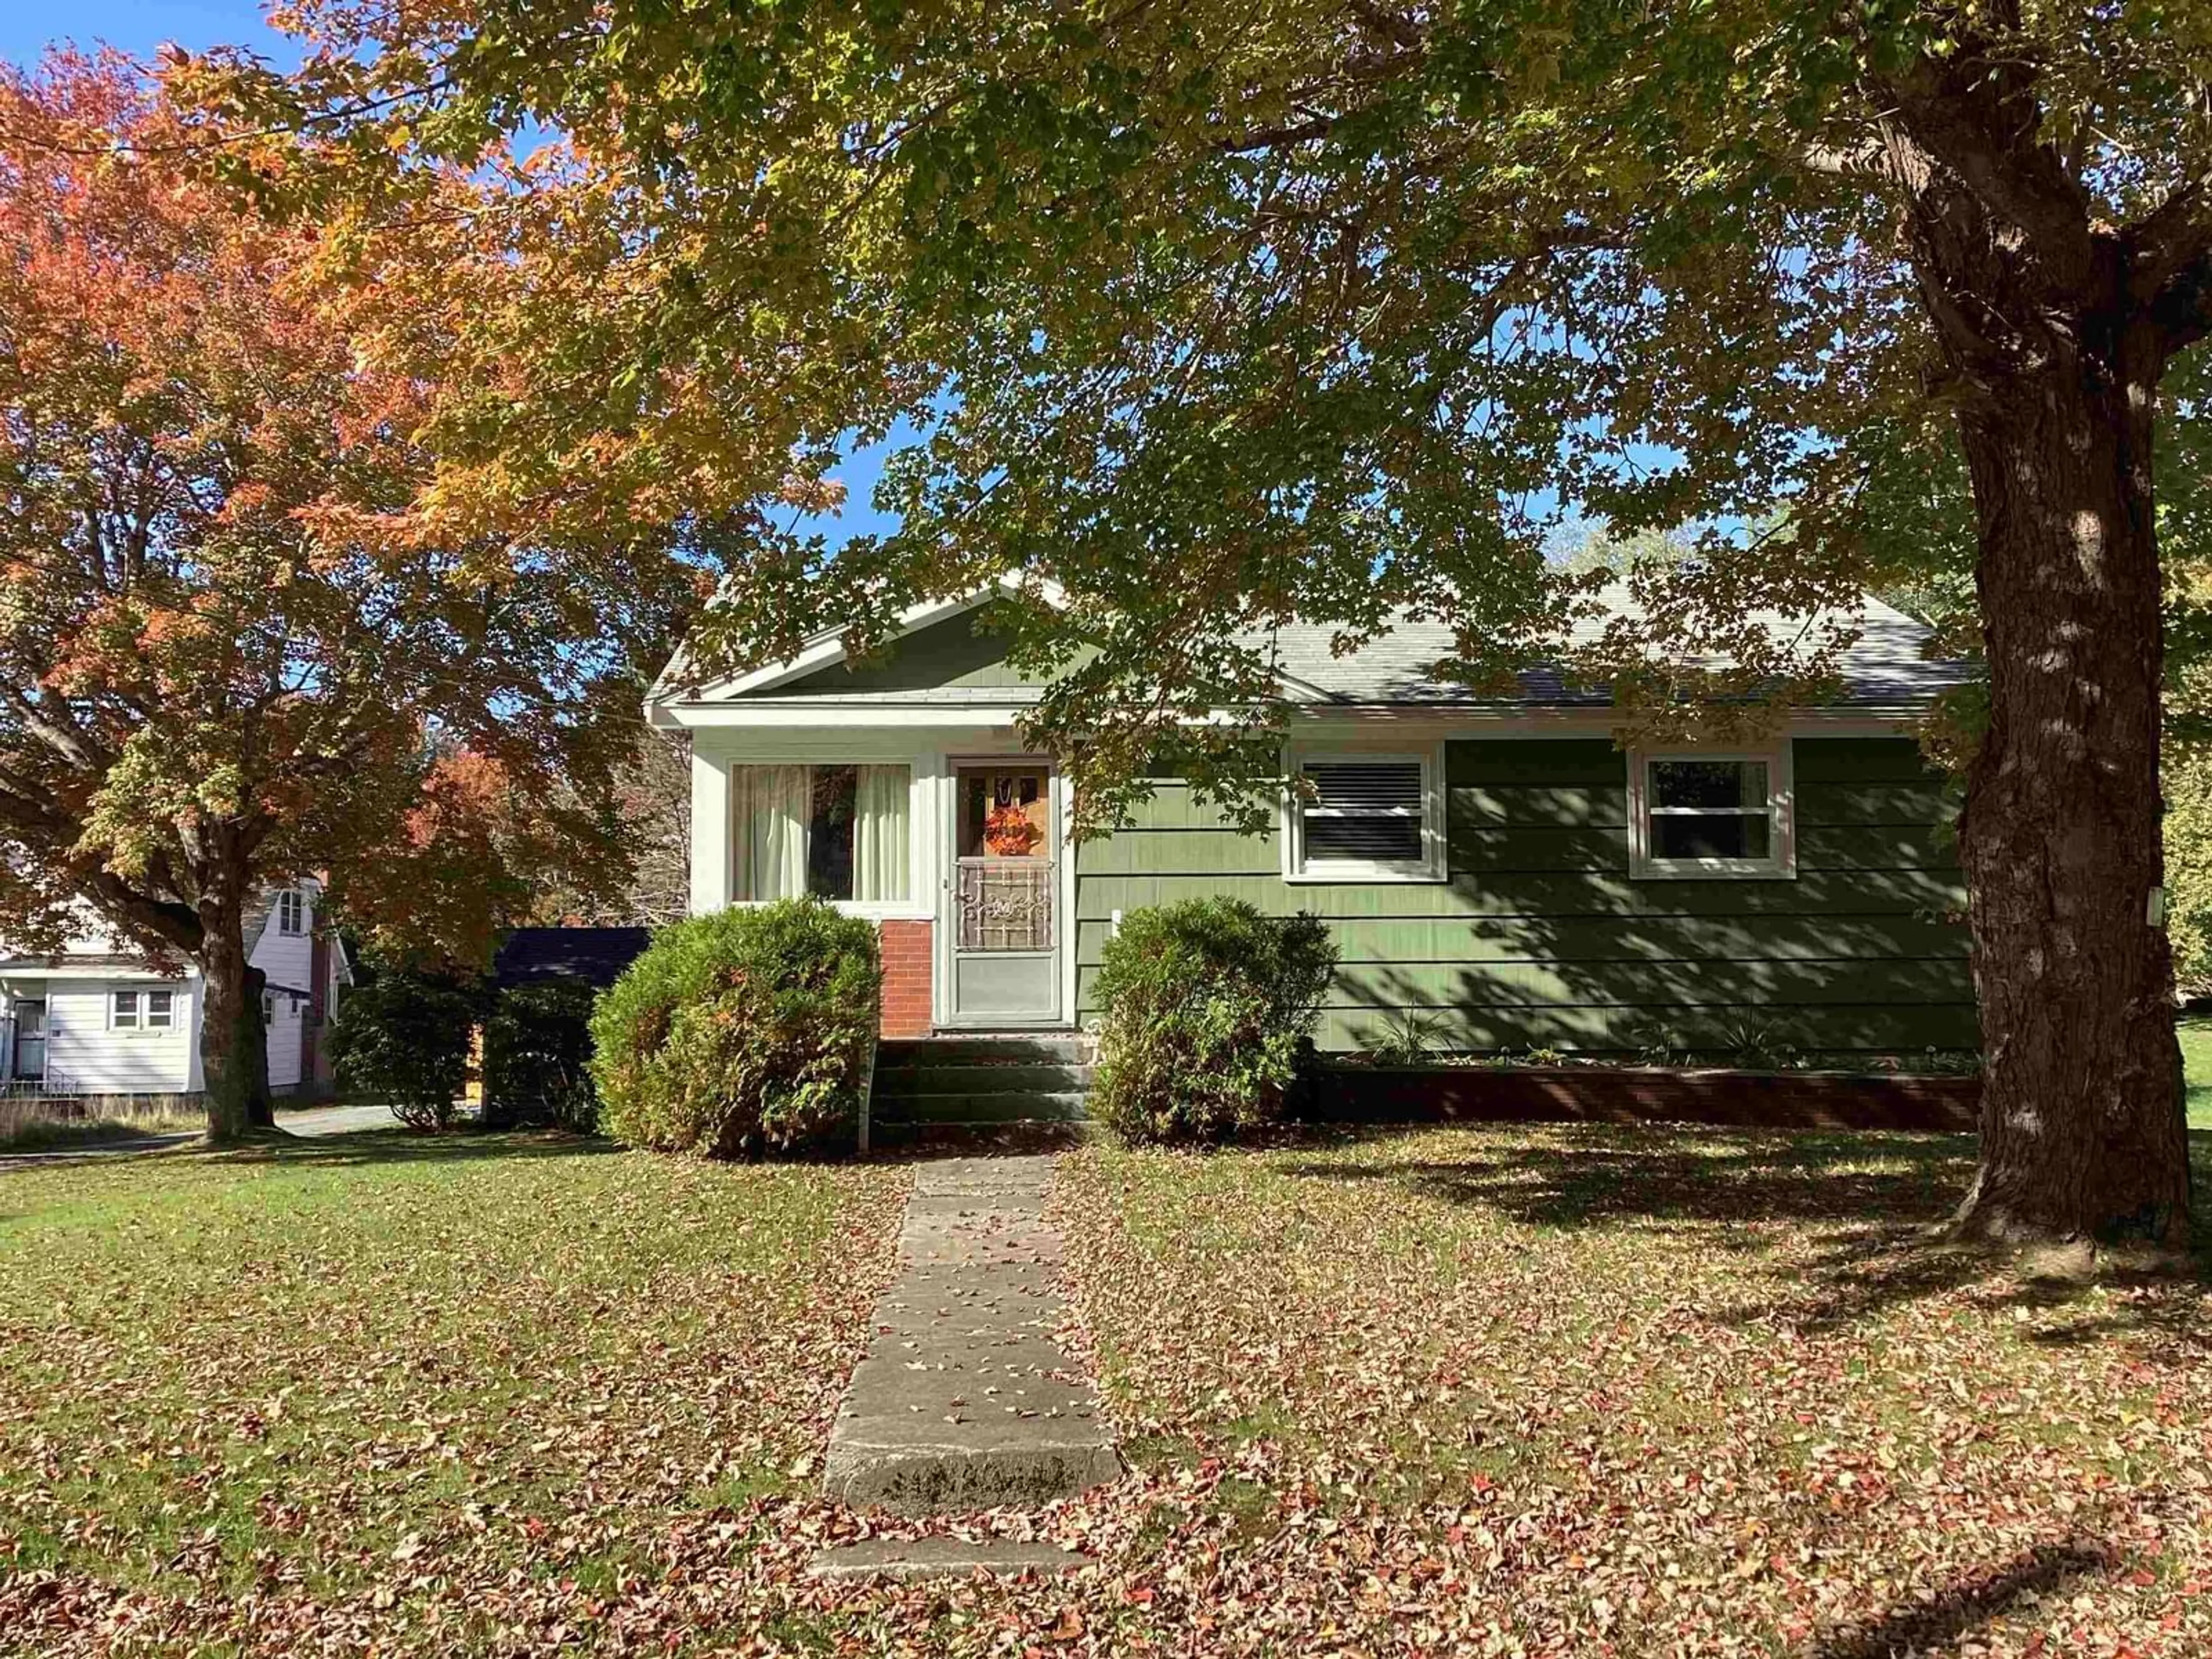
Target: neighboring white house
95, 1018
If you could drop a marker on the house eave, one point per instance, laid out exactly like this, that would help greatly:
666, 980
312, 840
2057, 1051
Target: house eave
830, 713
827, 648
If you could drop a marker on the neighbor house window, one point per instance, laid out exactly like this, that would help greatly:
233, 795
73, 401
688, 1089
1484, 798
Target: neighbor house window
838, 832
142, 1010
1711, 814
291, 911
1355, 815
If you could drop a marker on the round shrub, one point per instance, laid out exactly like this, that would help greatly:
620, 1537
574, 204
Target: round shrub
1207, 1011
404, 1038
741, 1032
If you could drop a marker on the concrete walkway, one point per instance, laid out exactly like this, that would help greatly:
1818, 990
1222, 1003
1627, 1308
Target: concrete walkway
966, 1399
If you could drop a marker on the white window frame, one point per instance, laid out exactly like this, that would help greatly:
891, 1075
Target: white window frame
140, 1001
1301, 871
291, 912
917, 906
1781, 865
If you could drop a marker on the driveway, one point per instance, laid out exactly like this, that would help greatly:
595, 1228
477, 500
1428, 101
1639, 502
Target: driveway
310, 1122
336, 1119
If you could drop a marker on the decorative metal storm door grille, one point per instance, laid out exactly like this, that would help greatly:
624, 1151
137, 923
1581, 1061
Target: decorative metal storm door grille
1005, 904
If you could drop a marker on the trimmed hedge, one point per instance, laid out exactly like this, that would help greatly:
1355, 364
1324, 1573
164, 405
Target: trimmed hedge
1208, 1014
537, 1056
406, 1037
741, 1032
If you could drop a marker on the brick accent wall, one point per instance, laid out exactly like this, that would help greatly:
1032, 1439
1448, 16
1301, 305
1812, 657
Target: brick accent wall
906, 947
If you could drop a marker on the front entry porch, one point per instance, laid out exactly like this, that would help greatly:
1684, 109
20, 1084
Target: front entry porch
1000, 916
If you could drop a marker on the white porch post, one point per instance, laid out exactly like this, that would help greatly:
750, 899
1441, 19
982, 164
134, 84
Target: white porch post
710, 825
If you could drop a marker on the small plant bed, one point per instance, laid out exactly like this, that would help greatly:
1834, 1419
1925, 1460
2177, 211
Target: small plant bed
1489, 1090
1568, 1390
1933, 1062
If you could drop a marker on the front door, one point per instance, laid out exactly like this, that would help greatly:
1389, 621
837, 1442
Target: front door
1003, 921
29, 1059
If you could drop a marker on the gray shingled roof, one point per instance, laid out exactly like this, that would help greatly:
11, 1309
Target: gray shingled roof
1884, 668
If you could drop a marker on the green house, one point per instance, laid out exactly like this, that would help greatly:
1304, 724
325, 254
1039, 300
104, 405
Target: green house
1506, 873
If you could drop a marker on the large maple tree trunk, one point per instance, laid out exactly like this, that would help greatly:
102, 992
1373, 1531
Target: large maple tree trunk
2082, 1135
233, 1041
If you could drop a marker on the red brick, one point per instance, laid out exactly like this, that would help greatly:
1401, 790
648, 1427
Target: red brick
907, 956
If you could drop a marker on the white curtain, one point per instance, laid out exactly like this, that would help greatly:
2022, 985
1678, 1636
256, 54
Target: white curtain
880, 858
768, 808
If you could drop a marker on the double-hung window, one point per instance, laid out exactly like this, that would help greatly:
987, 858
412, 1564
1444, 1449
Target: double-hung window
291, 911
836, 831
142, 1010
1361, 815
1708, 813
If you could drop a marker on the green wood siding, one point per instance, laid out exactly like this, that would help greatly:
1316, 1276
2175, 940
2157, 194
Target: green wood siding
1538, 938
960, 650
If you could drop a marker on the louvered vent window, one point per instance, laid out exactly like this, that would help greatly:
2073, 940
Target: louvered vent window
1365, 815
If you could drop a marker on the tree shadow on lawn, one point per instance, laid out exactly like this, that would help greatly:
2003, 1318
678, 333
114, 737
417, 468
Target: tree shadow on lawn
398, 1144
1872, 1229
1924, 1627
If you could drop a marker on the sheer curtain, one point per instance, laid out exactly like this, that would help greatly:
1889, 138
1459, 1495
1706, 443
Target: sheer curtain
880, 858
768, 807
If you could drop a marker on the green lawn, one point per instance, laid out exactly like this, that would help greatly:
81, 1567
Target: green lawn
1539, 1391
410, 1390
1568, 1390
2197, 1062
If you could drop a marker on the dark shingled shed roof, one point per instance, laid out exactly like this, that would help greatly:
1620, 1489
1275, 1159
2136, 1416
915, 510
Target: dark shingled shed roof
594, 955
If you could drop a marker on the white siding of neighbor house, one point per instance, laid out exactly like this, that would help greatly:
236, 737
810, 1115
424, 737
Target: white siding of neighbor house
86, 1054
83, 1052
285, 1029
287, 958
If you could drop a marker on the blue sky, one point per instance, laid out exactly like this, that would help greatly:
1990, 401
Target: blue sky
140, 27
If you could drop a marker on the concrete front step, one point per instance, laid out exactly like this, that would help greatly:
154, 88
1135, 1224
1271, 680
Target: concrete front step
903, 1560
1046, 1048
1004, 1078
892, 1110
981, 1081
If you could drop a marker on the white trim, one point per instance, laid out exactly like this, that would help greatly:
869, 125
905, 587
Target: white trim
1781, 807
718, 891
1064, 924
1430, 867
829, 715
294, 901
48, 972
141, 999
1308, 723
945, 930
827, 648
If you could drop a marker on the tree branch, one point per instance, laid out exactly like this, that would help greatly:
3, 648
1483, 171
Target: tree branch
2182, 310
1978, 118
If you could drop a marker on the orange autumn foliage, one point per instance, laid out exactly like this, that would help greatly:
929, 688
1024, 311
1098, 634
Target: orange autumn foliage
250, 623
